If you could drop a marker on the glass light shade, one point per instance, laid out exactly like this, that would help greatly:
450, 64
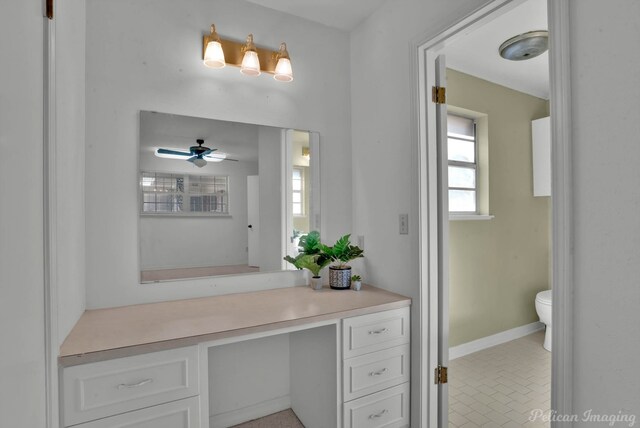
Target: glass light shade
250, 64
283, 73
213, 55
199, 162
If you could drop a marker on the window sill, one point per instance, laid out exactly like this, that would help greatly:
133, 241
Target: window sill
460, 217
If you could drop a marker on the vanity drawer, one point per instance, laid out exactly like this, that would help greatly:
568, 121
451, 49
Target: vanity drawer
388, 409
107, 388
373, 332
374, 372
177, 414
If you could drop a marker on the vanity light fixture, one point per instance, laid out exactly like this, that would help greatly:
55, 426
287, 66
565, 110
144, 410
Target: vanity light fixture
283, 73
252, 60
213, 53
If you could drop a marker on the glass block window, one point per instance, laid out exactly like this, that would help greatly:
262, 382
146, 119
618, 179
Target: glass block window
297, 196
463, 166
182, 194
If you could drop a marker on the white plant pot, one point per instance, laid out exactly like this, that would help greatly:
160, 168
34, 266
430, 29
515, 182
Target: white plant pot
356, 285
316, 282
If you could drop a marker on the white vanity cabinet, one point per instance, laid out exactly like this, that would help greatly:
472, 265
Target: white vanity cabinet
376, 370
347, 365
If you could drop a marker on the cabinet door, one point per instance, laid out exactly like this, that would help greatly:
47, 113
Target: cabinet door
177, 414
541, 146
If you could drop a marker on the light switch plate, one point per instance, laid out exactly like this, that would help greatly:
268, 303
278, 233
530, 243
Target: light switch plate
404, 224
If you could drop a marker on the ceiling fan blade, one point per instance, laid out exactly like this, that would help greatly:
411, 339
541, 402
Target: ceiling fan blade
191, 159
207, 152
173, 152
229, 159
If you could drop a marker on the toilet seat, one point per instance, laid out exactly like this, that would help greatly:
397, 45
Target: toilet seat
544, 297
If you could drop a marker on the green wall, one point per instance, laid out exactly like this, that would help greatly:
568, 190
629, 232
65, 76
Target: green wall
497, 266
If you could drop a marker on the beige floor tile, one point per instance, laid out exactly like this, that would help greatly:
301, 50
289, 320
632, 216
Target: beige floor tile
500, 386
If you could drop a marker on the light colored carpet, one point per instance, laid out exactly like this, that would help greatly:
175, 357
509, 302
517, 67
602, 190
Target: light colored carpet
284, 419
501, 386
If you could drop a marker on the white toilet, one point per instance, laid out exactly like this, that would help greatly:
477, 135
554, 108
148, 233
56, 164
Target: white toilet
543, 308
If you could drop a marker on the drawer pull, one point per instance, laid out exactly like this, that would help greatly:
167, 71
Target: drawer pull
379, 414
382, 330
135, 385
379, 372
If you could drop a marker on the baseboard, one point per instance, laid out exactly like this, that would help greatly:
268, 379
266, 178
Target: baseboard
235, 417
493, 340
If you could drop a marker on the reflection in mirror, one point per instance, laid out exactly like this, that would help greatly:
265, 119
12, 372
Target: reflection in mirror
221, 198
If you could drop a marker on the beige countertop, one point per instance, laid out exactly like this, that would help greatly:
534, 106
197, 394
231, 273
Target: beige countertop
102, 334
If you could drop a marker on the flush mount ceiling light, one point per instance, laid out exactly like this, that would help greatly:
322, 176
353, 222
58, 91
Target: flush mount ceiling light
525, 46
252, 60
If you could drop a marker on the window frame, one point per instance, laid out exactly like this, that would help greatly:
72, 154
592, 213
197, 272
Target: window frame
186, 195
462, 164
301, 191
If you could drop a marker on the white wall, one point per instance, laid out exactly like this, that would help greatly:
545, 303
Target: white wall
606, 103
270, 147
70, 131
22, 363
606, 111
385, 167
145, 55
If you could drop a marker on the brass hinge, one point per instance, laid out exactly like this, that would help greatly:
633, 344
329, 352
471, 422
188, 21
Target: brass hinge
440, 375
439, 95
49, 9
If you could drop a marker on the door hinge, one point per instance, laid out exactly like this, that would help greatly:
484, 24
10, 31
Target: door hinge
440, 375
439, 95
49, 9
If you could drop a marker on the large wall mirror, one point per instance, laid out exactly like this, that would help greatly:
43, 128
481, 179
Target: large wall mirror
222, 198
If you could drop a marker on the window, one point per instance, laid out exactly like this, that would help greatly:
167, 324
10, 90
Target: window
181, 194
297, 195
462, 146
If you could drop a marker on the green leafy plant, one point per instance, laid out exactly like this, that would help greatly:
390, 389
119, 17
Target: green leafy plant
355, 278
310, 256
342, 252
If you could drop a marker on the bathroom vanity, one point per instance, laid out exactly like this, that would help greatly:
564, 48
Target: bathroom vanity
161, 365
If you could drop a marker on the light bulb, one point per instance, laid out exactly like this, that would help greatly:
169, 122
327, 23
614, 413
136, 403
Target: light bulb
283, 72
213, 54
250, 61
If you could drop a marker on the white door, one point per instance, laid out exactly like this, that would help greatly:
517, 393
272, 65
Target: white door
253, 220
443, 239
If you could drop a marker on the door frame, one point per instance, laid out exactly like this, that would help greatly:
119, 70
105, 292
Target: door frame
423, 66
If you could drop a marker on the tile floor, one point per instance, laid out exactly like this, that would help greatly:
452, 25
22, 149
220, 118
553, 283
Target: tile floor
500, 386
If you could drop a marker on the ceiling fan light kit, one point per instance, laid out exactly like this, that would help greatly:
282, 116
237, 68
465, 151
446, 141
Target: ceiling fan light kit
252, 60
198, 155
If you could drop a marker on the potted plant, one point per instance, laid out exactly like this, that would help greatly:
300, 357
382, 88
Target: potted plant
341, 254
311, 257
356, 281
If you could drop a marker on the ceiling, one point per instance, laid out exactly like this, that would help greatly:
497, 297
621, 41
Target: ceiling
345, 15
238, 140
476, 53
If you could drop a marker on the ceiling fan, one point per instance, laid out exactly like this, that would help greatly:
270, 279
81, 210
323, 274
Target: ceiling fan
198, 155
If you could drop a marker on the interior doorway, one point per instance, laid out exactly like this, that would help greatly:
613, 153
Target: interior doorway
434, 204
